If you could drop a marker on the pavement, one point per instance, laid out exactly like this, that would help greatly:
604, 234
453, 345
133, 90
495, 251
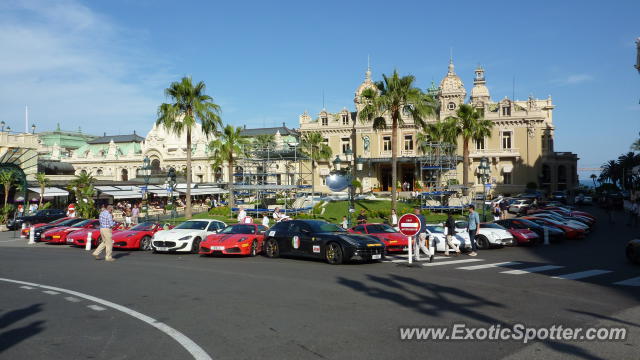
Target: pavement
57, 302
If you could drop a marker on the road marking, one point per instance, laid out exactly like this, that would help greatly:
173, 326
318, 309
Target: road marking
194, 349
96, 307
581, 274
26, 287
532, 269
51, 292
422, 258
486, 266
451, 262
72, 299
629, 282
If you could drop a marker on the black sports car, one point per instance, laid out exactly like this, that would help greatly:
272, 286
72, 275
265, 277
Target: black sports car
633, 251
41, 216
322, 240
37, 233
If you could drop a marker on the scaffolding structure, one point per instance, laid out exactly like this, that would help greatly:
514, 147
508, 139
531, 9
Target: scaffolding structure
438, 170
265, 171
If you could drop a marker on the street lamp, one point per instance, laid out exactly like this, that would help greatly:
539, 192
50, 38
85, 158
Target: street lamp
336, 163
146, 173
8, 128
33, 129
484, 172
171, 183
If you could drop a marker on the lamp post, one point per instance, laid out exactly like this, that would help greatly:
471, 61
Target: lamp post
171, 183
2, 124
484, 171
33, 129
146, 173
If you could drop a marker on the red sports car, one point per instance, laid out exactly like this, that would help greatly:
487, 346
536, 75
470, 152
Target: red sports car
25, 232
138, 237
58, 235
524, 236
569, 232
237, 239
392, 238
79, 237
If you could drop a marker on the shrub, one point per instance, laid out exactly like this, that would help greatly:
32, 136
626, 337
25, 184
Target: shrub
220, 211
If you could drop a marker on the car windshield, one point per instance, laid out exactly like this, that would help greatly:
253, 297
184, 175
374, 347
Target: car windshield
144, 226
69, 222
380, 228
492, 226
462, 224
239, 229
81, 223
528, 223
435, 229
321, 226
193, 225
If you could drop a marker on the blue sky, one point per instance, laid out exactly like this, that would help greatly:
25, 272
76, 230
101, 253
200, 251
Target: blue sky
103, 65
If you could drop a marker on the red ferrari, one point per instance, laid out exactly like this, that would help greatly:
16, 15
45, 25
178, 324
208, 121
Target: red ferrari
79, 237
392, 239
237, 239
569, 232
58, 235
138, 237
524, 236
25, 232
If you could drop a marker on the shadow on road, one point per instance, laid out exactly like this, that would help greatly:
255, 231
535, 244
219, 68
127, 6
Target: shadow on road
14, 336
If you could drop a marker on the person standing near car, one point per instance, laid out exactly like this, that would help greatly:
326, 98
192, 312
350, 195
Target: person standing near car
394, 219
106, 223
135, 213
503, 208
450, 227
473, 227
427, 247
496, 212
362, 218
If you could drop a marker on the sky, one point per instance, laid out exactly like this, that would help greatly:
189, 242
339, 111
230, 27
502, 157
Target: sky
102, 66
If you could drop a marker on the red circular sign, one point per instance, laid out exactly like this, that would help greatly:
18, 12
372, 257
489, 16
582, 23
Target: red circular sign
409, 224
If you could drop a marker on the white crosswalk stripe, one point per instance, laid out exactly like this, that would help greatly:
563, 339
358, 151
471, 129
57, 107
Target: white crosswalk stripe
581, 274
486, 266
96, 307
629, 282
534, 269
51, 292
422, 258
72, 299
439, 263
26, 287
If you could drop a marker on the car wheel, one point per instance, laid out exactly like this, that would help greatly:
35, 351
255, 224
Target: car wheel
254, 248
195, 246
271, 249
333, 254
145, 243
483, 242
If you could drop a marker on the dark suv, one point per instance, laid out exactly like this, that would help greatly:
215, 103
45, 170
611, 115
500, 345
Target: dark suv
41, 216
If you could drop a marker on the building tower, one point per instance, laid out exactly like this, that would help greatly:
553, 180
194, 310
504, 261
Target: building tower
452, 93
366, 84
480, 93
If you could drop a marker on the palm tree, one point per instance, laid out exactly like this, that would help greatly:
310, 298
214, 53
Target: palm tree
7, 179
227, 147
471, 125
264, 142
636, 145
626, 162
189, 106
593, 178
81, 181
396, 97
312, 145
611, 171
43, 181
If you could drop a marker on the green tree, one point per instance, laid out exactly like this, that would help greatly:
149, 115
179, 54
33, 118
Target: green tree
7, 179
189, 105
43, 182
312, 145
228, 147
636, 146
82, 188
470, 125
398, 99
264, 142
593, 178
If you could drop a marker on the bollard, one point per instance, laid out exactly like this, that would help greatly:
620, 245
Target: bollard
546, 235
417, 247
24, 226
32, 235
410, 252
87, 246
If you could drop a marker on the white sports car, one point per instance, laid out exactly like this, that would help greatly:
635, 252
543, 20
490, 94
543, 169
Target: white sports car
490, 234
187, 236
436, 233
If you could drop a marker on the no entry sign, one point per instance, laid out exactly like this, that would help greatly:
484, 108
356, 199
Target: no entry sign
409, 224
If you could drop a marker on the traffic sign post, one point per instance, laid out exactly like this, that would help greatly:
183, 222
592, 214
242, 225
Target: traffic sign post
409, 225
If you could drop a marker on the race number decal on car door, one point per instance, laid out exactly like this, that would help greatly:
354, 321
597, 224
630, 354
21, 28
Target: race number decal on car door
316, 249
295, 242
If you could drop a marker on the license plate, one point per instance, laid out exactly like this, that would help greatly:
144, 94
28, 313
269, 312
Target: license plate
69, 241
161, 249
376, 256
219, 248
405, 249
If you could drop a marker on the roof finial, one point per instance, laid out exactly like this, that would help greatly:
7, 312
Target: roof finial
451, 67
368, 73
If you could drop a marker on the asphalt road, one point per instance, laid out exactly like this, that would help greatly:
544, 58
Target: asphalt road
173, 306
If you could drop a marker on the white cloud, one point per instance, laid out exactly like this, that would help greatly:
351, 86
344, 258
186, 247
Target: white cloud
574, 79
72, 66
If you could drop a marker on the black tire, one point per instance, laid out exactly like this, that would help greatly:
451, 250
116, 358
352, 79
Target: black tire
254, 249
333, 253
483, 242
271, 249
145, 244
195, 246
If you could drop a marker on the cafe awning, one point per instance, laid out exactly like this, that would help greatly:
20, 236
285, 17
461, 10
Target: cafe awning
50, 191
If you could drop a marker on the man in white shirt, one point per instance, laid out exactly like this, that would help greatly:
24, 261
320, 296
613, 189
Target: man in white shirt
265, 220
241, 215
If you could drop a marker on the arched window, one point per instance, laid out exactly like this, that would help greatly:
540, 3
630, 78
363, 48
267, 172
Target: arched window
99, 172
218, 174
155, 165
546, 174
124, 175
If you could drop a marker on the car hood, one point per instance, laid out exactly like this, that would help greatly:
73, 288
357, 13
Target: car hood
390, 236
361, 240
119, 234
228, 238
56, 229
176, 233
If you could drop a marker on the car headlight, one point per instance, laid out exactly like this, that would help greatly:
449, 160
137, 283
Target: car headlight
185, 237
242, 239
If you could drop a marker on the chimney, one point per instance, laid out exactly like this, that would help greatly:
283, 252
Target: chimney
283, 125
105, 133
245, 126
